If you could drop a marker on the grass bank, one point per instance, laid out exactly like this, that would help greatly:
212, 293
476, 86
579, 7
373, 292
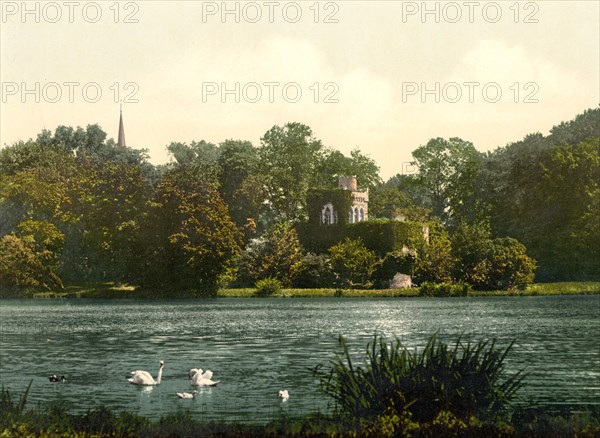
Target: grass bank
55, 421
109, 290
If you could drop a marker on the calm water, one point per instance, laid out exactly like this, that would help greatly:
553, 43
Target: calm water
258, 346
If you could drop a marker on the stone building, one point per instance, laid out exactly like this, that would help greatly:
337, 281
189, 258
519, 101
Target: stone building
359, 209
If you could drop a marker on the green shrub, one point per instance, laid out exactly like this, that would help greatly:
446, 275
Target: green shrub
275, 254
393, 262
353, 264
466, 380
490, 264
316, 272
267, 286
429, 289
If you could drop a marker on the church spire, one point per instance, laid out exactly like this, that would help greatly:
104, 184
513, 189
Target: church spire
121, 141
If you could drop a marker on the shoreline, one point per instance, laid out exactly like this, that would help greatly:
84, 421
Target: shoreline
109, 291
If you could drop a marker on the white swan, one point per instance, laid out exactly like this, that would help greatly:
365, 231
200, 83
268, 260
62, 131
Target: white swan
200, 378
284, 394
144, 377
187, 394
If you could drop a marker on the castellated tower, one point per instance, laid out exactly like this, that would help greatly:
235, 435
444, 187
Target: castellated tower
348, 183
359, 208
359, 211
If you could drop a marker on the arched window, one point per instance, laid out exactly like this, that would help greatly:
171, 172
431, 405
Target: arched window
356, 214
328, 215
362, 214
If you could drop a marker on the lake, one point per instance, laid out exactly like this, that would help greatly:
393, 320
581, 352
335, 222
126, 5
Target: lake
259, 346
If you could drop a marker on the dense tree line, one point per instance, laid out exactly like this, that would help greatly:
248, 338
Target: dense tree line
75, 207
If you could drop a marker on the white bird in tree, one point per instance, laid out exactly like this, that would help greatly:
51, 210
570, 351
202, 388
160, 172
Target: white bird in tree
144, 378
202, 378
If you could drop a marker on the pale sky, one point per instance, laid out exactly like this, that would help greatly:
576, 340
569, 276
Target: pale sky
369, 73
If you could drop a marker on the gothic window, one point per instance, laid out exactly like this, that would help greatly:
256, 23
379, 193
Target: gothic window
356, 214
328, 216
362, 215
351, 215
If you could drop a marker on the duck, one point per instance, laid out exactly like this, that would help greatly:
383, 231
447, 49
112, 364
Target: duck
55, 378
144, 378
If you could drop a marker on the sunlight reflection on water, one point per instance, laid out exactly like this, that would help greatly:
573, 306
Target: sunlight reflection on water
258, 346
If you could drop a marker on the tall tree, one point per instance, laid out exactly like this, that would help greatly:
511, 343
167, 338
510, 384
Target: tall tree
289, 157
189, 241
240, 183
447, 169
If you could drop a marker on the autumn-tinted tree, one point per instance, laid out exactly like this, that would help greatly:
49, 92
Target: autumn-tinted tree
29, 257
189, 241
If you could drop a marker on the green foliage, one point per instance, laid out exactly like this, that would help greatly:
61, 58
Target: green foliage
465, 380
315, 272
341, 200
11, 408
240, 184
267, 286
380, 236
30, 257
393, 263
200, 152
444, 289
389, 202
448, 168
277, 254
434, 260
288, 159
188, 240
384, 236
543, 191
490, 264
110, 200
332, 164
510, 267
353, 264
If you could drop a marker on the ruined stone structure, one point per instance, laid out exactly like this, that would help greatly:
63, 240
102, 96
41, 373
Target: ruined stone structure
359, 210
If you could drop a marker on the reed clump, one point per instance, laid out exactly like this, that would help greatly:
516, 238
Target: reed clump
465, 380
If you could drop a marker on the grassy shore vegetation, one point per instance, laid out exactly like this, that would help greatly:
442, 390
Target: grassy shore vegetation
459, 390
110, 290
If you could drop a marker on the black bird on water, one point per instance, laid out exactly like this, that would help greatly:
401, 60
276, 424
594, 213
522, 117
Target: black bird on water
55, 378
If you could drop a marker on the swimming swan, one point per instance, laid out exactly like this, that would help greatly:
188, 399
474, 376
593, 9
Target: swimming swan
284, 395
144, 377
187, 394
200, 378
